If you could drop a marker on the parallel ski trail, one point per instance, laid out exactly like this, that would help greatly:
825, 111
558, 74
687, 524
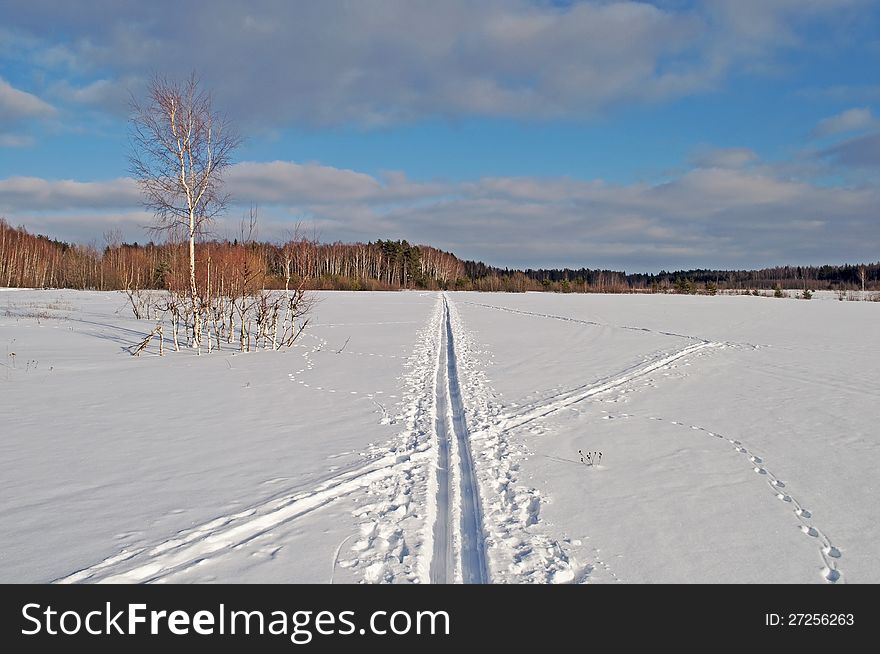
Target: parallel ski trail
442, 566
567, 398
607, 383
507, 543
227, 532
457, 497
592, 323
473, 555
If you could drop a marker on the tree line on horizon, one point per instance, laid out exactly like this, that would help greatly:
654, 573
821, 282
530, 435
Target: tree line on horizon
38, 261
824, 277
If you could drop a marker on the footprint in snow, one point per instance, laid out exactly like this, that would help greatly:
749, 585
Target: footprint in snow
832, 551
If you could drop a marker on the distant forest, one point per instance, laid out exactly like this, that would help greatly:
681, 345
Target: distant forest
36, 261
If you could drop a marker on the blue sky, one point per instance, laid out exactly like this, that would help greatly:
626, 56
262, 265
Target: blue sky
636, 135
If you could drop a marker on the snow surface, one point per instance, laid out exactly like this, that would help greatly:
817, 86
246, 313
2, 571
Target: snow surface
429, 438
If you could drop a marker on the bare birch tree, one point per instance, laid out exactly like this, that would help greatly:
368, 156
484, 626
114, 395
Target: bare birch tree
180, 148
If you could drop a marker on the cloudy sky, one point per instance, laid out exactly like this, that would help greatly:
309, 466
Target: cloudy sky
636, 135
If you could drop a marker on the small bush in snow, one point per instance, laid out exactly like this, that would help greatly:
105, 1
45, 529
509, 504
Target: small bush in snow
590, 458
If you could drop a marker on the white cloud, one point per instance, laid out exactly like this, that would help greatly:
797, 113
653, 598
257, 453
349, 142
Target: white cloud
15, 140
859, 152
386, 61
287, 182
851, 120
719, 217
19, 194
774, 21
77, 227
110, 95
18, 105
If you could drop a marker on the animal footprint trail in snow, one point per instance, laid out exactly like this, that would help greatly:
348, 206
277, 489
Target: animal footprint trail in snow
300, 377
829, 553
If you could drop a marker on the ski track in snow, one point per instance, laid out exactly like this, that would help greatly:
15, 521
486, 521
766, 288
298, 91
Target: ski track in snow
465, 534
564, 399
584, 322
392, 475
398, 539
471, 536
442, 502
219, 536
442, 565
524, 414
395, 535
593, 323
517, 550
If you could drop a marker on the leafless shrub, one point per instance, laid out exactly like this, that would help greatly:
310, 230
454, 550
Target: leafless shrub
590, 458
140, 347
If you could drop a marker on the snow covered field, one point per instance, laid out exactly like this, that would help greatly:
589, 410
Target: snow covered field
427, 437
